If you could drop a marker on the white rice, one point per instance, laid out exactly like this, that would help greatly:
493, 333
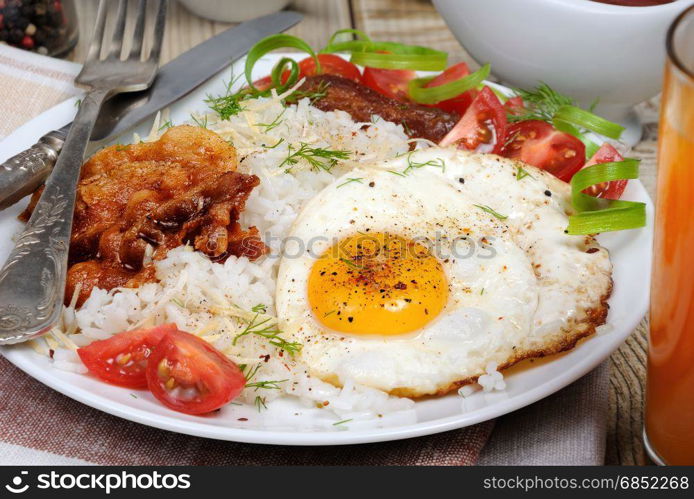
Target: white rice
215, 300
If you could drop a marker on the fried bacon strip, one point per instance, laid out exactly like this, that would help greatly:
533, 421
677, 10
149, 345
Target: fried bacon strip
361, 102
181, 189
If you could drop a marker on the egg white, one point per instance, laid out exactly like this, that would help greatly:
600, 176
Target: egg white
532, 297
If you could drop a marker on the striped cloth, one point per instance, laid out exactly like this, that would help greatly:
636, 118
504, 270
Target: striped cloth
43, 427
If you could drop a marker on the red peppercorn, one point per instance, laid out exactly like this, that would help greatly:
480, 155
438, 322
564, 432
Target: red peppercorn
28, 42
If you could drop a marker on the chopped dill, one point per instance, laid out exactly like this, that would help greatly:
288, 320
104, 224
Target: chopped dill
411, 165
317, 157
482, 291
266, 385
260, 403
397, 173
229, 104
122, 147
202, 123
270, 332
328, 313
275, 123
260, 308
178, 302
312, 95
133, 395
350, 180
272, 147
251, 372
167, 124
342, 422
351, 264
78, 103
521, 173
540, 104
491, 211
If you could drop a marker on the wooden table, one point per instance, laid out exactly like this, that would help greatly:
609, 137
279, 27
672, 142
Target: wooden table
417, 22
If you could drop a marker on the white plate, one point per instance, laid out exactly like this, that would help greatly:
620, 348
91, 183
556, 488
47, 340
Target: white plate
631, 256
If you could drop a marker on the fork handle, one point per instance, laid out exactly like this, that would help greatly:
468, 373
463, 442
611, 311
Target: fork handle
24, 173
32, 281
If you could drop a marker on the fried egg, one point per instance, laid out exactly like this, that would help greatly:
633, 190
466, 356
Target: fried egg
413, 275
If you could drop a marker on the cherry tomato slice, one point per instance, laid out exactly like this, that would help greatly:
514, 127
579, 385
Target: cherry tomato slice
392, 83
606, 190
122, 358
539, 144
483, 126
459, 103
186, 374
330, 64
514, 105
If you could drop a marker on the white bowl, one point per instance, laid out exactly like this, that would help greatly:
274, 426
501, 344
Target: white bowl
233, 11
581, 48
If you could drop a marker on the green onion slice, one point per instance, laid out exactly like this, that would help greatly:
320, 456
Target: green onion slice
419, 93
279, 68
398, 56
273, 42
585, 119
597, 215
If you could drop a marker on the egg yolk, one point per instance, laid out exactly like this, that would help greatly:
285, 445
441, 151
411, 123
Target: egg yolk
377, 283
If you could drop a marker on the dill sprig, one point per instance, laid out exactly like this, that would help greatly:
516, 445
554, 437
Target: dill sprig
268, 331
350, 263
521, 173
201, 122
540, 104
317, 157
260, 403
491, 211
312, 95
274, 124
350, 180
230, 103
167, 124
411, 165
266, 385
342, 422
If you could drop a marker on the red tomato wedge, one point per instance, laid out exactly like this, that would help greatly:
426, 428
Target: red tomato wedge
540, 144
186, 374
606, 190
483, 126
460, 103
330, 64
392, 83
122, 358
514, 105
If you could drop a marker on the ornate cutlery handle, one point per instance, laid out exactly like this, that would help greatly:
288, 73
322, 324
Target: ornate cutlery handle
32, 281
22, 174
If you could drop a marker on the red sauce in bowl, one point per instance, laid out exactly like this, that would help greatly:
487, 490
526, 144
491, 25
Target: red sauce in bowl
634, 3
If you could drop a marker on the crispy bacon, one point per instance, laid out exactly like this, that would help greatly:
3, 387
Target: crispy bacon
362, 103
181, 189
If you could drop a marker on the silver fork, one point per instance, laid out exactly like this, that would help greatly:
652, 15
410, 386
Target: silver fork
32, 281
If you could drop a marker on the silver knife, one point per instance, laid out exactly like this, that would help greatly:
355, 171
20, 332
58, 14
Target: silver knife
24, 173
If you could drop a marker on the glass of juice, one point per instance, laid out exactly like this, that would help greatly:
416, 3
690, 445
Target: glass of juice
669, 428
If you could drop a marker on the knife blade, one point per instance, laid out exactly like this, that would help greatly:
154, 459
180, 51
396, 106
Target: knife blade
23, 173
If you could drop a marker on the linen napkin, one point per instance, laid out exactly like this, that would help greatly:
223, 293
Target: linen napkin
41, 426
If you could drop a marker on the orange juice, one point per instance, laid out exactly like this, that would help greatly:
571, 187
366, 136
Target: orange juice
670, 386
